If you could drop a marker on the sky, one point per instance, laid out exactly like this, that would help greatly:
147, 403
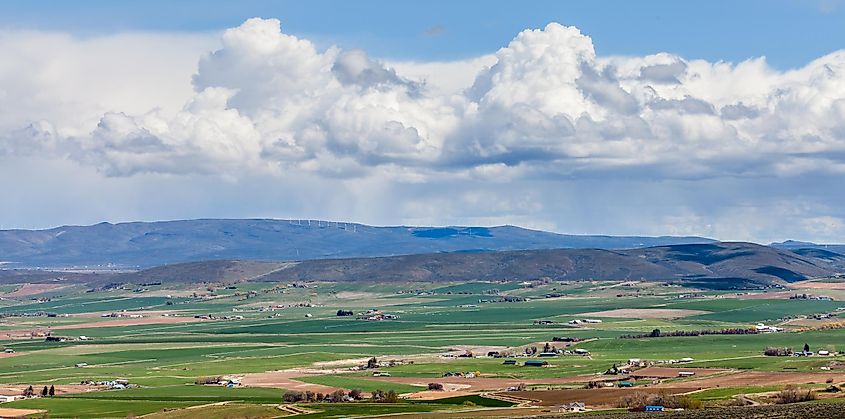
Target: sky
723, 119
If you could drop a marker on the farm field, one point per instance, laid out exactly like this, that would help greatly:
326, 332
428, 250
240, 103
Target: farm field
122, 353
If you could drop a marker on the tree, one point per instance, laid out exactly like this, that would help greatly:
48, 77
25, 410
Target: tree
355, 394
391, 397
655, 333
378, 395
806, 348
293, 396
435, 386
372, 363
52, 391
29, 392
547, 347
337, 396
44, 391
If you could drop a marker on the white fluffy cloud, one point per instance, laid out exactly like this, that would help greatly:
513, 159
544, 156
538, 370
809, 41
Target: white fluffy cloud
544, 107
266, 100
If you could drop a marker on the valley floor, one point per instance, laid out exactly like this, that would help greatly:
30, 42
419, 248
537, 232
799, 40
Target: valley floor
144, 351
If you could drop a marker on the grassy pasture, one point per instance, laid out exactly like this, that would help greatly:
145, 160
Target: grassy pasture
88, 408
165, 359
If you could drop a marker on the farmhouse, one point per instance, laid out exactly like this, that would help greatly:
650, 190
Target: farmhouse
570, 407
762, 328
534, 363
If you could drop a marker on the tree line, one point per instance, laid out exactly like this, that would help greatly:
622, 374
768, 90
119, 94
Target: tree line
338, 396
656, 333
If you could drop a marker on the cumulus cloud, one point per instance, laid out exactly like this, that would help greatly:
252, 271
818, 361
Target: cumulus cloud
544, 106
267, 100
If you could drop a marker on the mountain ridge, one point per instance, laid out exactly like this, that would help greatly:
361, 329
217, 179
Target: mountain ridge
149, 244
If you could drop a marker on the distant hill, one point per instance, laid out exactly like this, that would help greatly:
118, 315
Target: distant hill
833, 253
142, 245
798, 245
712, 265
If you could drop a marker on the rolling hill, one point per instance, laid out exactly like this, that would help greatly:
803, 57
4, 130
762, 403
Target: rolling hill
142, 245
711, 265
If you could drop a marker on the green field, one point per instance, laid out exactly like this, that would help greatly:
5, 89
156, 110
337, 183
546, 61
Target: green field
274, 333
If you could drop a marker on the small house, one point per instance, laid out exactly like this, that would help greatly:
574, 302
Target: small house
654, 408
80, 365
625, 384
686, 360
686, 373
9, 350
570, 407
547, 354
509, 362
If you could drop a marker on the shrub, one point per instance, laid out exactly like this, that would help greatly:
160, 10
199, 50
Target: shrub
792, 394
435, 386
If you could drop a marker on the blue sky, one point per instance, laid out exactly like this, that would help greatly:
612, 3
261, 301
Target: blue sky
788, 32
723, 119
